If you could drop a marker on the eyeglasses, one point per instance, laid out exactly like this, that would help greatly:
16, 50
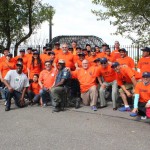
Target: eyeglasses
103, 63
64, 47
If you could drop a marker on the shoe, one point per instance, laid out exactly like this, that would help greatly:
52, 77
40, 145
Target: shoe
5, 103
143, 117
122, 109
103, 106
133, 114
115, 108
56, 109
94, 108
44, 105
7, 108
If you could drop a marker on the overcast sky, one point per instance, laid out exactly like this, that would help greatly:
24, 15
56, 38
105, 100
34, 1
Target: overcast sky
74, 17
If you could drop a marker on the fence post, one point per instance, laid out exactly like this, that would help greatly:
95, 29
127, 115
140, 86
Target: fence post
138, 48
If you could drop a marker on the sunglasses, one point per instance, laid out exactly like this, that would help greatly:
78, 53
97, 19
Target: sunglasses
103, 63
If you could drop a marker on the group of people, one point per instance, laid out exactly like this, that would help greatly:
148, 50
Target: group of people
45, 76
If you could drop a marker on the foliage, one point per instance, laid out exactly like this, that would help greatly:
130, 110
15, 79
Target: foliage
132, 17
19, 19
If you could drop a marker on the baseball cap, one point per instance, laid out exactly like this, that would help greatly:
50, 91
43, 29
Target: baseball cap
81, 54
36, 52
146, 74
9, 55
97, 60
122, 49
22, 50
61, 61
53, 53
93, 49
29, 48
57, 43
48, 49
147, 49
115, 64
19, 64
103, 60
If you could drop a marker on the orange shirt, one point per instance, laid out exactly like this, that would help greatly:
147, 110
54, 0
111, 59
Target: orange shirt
115, 54
100, 55
126, 61
109, 58
125, 75
107, 73
143, 91
25, 59
5, 66
144, 64
43, 57
68, 57
36, 69
87, 78
3, 58
57, 51
48, 77
35, 87
91, 60
74, 51
29, 56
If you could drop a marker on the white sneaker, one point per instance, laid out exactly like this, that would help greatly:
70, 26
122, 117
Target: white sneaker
143, 117
5, 103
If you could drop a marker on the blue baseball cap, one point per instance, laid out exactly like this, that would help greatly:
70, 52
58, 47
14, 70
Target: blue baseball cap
146, 74
122, 49
115, 64
97, 60
103, 60
147, 49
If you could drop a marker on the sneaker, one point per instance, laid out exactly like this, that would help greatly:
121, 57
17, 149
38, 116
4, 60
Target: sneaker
133, 114
94, 108
143, 117
44, 105
122, 109
56, 109
5, 103
7, 108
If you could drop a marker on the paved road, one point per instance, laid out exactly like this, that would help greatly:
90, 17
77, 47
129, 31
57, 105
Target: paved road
36, 128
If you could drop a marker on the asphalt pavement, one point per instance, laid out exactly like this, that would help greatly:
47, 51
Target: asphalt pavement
37, 128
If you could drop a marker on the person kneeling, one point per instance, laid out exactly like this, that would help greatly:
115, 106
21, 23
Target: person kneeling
16, 83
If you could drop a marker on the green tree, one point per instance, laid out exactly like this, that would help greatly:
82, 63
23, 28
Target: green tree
131, 17
20, 18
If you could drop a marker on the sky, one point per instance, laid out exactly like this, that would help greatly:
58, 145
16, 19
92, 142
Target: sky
74, 17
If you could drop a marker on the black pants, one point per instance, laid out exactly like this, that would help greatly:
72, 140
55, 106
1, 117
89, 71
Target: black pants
141, 109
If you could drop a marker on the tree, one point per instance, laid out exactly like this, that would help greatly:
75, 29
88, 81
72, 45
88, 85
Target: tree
132, 17
20, 18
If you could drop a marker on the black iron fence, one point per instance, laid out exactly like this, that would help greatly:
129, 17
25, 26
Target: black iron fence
133, 51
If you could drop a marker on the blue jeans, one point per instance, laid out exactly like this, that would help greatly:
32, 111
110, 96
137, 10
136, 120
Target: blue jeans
33, 97
46, 95
16, 95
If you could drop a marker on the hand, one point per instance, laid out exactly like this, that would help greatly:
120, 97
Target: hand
135, 110
103, 86
22, 102
128, 94
147, 105
10, 89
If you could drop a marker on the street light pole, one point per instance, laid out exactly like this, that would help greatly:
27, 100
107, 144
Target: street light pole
50, 26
